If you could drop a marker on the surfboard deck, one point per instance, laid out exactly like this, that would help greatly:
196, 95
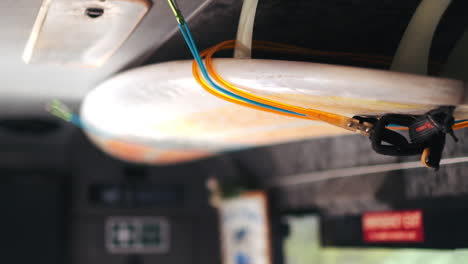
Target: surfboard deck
158, 114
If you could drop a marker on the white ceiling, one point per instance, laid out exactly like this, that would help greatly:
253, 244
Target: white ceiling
24, 89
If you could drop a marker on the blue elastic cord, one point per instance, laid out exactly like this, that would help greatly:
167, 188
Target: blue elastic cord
461, 121
194, 50
186, 33
76, 120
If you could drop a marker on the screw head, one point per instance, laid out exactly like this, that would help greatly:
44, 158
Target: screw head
94, 12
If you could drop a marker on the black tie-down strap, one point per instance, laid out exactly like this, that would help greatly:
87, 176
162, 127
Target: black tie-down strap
426, 134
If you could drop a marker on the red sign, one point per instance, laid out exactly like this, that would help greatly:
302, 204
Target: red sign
393, 227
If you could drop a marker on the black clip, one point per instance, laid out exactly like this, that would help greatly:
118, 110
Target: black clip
433, 123
431, 129
431, 156
427, 134
397, 144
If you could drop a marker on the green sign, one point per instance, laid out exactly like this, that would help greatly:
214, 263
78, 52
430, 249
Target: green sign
137, 235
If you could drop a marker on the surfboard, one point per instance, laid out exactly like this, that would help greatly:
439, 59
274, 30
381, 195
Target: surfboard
159, 114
